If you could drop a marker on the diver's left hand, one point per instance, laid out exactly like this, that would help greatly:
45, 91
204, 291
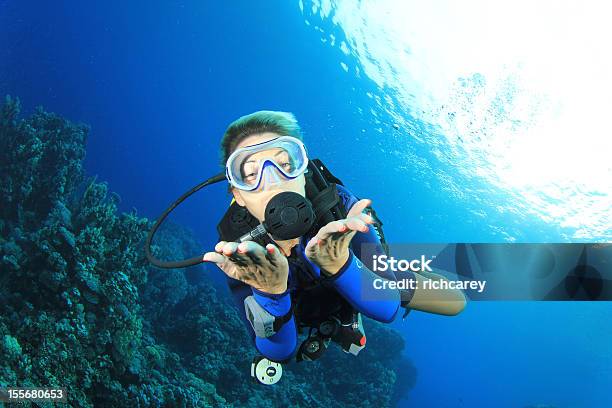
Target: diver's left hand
329, 249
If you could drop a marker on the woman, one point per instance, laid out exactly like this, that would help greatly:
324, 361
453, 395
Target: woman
308, 279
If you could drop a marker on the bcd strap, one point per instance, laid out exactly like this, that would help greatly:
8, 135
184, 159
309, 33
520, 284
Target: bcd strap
324, 202
238, 221
281, 320
378, 229
322, 191
325, 172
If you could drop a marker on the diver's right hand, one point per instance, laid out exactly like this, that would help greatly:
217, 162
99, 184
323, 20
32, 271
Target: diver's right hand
265, 269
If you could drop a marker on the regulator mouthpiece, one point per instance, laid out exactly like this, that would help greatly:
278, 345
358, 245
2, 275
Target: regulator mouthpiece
288, 215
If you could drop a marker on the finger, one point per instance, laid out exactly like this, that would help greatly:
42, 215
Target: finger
255, 252
250, 246
311, 246
331, 228
356, 224
229, 248
367, 218
222, 262
359, 206
273, 254
214, 257
219, 246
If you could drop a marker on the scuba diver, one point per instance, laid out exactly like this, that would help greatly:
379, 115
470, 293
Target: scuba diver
290, 245
315, 280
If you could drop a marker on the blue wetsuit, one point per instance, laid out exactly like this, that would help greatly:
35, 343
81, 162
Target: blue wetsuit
353, 284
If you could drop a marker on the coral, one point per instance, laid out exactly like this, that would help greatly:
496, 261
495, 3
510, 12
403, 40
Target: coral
81, 308
10, 347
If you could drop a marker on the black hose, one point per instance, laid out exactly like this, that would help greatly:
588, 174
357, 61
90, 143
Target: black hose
186, 262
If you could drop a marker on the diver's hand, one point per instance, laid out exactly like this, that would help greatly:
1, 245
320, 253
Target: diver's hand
265, 269
329, 249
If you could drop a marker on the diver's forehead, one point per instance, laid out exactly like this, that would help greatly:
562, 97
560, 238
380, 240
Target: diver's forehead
257, 139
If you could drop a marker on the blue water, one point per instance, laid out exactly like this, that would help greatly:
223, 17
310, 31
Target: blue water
159, 82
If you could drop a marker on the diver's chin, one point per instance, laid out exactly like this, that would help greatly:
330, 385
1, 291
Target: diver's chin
286, 245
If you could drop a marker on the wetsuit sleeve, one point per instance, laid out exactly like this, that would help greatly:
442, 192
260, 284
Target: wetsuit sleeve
365, 290
282, 345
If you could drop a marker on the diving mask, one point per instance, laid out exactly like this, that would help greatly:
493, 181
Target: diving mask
273, 161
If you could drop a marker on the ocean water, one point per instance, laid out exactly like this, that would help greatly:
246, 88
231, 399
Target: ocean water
467, 122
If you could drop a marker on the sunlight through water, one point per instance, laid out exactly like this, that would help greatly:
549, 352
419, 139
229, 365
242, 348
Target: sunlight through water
517, 96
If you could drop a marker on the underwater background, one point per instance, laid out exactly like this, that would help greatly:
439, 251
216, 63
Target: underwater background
463, 122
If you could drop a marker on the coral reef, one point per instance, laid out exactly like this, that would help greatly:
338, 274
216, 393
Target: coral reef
81, 308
